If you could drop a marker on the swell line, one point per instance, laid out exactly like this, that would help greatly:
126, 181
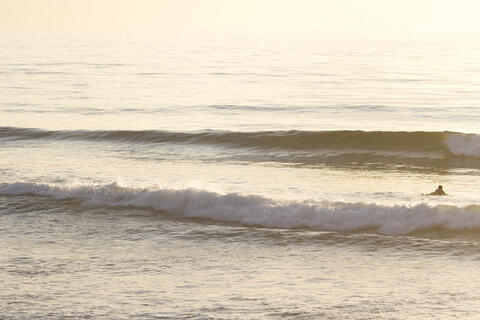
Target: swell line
446, 143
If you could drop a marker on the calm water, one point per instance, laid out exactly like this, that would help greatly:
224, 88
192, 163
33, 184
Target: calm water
244, 178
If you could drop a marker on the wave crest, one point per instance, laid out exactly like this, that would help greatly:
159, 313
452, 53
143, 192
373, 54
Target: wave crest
260, 211
464, 144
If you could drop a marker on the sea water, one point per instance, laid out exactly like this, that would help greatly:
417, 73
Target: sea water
247, 177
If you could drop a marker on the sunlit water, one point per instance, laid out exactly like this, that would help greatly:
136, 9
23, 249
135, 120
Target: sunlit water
250, 177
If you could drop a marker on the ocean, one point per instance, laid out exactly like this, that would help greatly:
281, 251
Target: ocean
241, 177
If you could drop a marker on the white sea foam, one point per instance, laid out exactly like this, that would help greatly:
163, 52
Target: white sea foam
256, 210
464, 144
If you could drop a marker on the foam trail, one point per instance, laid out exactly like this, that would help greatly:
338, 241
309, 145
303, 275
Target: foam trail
260, 211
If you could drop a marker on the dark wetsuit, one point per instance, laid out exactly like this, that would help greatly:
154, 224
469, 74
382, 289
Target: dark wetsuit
438, 192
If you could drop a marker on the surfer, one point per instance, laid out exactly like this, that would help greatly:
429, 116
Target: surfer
438, 192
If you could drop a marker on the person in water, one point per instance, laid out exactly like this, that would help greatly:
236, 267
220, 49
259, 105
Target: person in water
438, 192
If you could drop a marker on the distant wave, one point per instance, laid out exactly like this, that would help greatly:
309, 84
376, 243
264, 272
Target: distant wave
443, 143
259, 211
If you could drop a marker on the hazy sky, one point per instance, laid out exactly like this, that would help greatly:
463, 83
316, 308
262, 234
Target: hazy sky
441, 16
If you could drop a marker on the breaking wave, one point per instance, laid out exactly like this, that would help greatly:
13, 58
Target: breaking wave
443, 143
260, 211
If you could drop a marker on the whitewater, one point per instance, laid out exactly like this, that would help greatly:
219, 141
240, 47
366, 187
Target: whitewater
259, 211
167, 178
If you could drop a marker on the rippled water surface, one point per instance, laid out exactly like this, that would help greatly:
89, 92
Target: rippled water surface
204, 178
